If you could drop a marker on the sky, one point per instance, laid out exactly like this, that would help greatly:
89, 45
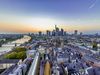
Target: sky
23, 16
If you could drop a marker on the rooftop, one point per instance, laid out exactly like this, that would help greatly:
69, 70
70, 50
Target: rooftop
7, 71
9, 61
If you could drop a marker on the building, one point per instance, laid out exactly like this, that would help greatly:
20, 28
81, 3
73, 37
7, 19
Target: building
62, 32
57, 32
53, 33
65, 33
6, 63
40, 33
48, 33
76, 32
81, 33
8, 70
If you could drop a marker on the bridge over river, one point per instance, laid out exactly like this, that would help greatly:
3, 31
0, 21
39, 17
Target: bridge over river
8, 46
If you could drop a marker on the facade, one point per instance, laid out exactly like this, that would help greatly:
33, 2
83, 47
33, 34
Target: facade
40, 33
62, 32
53, 33
6, 63
58, 32
75, 32
48, 33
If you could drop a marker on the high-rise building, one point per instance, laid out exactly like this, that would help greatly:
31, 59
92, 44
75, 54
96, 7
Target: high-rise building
65, 33
75, 32
62, 32
48, 33
81, 33
56, 31
53, 33
40, 33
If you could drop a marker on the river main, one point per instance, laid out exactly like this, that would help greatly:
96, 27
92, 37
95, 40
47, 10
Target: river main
8, 46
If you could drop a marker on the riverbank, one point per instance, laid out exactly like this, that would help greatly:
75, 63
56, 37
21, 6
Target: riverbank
10, 45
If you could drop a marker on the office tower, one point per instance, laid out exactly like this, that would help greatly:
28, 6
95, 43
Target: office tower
40, 33
48, 33
75, 32
65, 33
56, 28
62, 32
56, 31
81, 33
53, 33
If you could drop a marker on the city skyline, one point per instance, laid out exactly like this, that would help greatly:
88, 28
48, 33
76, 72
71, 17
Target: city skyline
20, 16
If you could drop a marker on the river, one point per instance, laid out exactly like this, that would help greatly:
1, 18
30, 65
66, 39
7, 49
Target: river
8, 46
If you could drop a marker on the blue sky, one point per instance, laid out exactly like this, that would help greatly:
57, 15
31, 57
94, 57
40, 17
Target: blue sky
85, 13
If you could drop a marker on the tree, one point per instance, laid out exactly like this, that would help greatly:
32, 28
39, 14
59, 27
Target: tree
21, 55
95, 47
11, 55
19, 49
18, 53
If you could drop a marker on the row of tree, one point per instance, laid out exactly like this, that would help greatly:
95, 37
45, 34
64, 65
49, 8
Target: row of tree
18, 53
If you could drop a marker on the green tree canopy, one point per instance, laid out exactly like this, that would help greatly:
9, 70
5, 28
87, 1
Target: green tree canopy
19, 49
21, 55
11, 55
18, 53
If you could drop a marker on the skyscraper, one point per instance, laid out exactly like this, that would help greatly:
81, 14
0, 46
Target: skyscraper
53, 33
75, 32
48, 33
62, 32
56, 31
40, 33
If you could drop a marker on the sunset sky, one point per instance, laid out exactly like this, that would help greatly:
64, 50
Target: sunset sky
21, 16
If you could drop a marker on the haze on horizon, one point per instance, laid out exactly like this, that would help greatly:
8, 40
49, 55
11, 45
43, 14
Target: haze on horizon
21, 16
